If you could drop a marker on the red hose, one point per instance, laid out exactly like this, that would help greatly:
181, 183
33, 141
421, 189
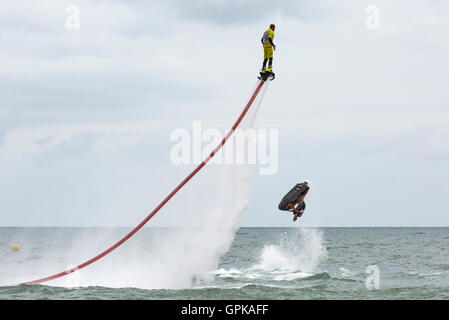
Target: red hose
140, 225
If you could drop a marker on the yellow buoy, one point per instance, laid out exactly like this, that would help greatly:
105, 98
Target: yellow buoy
15, 247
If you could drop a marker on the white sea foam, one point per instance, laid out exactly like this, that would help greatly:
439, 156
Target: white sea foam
430, 274
346, 272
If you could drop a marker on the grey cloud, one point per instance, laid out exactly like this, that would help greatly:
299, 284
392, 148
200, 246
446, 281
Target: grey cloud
251, 11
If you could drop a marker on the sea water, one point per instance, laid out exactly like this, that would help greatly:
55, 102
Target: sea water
262, 263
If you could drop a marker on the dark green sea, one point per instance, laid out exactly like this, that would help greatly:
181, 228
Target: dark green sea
261, 263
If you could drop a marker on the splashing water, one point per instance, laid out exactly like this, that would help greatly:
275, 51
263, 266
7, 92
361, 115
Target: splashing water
304, 251
297, 255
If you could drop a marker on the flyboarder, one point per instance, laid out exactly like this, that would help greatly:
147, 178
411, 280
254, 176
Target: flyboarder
268, 46
293, 201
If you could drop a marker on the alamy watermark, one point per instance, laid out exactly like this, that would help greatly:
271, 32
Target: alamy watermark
372, 21
373, 279
72, 22
244, 146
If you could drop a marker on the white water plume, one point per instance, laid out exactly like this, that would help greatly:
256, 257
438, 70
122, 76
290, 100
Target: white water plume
203, 248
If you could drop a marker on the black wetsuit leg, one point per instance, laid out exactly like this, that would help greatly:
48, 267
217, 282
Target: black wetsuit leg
264, 63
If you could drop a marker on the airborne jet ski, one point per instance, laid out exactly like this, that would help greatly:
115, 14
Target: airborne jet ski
293, 201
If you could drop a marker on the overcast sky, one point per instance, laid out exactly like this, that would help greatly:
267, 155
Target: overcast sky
86, 114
